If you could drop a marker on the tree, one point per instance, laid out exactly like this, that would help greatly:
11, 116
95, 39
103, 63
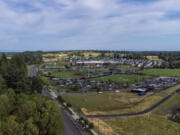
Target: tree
26, 109
2, 84
3, 66
37, 84
12, 127
30, 128
16, 77
1, 132
50, 122
5, 106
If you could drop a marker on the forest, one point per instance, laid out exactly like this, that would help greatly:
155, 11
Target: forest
24, 111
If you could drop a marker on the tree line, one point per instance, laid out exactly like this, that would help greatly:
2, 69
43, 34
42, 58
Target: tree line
23, 110
14, 74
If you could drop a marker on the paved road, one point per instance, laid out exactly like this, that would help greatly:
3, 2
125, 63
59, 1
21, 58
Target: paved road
70, 126
134, 114
32, 71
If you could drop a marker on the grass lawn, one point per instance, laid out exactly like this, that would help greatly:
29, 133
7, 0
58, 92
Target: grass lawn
163, 72
94, 69
64, 75
124, 78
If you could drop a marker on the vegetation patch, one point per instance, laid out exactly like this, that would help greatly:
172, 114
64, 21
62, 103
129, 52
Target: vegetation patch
102, 127
116, 103
163, 72
144, 125
111, 103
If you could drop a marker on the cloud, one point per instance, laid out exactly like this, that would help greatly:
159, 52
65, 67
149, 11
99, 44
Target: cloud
87, 21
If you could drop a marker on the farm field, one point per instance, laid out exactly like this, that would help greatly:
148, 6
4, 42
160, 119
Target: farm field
123, 78
92, 54
163, 72
155, 58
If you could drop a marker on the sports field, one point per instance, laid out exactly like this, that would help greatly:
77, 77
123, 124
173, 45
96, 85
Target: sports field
94, 69
123, 78
64, 75
163, 72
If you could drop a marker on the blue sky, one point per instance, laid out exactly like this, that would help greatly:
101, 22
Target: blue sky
90, 24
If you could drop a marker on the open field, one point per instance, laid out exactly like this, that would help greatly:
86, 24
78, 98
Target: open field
117, 103
163, 72
168, 106
112, 103
92, 54
123, 78
142, 125
155, 58
104, 102
154, 123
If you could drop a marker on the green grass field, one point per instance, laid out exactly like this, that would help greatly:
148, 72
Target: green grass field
64, 75
104, 102
163, 72
120, 103
117, 103
94, 69
168, 106
123, 78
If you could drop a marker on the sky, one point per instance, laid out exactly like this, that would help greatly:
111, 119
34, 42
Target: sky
134, 25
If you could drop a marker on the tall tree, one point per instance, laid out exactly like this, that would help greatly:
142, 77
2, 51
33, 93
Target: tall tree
12, 127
